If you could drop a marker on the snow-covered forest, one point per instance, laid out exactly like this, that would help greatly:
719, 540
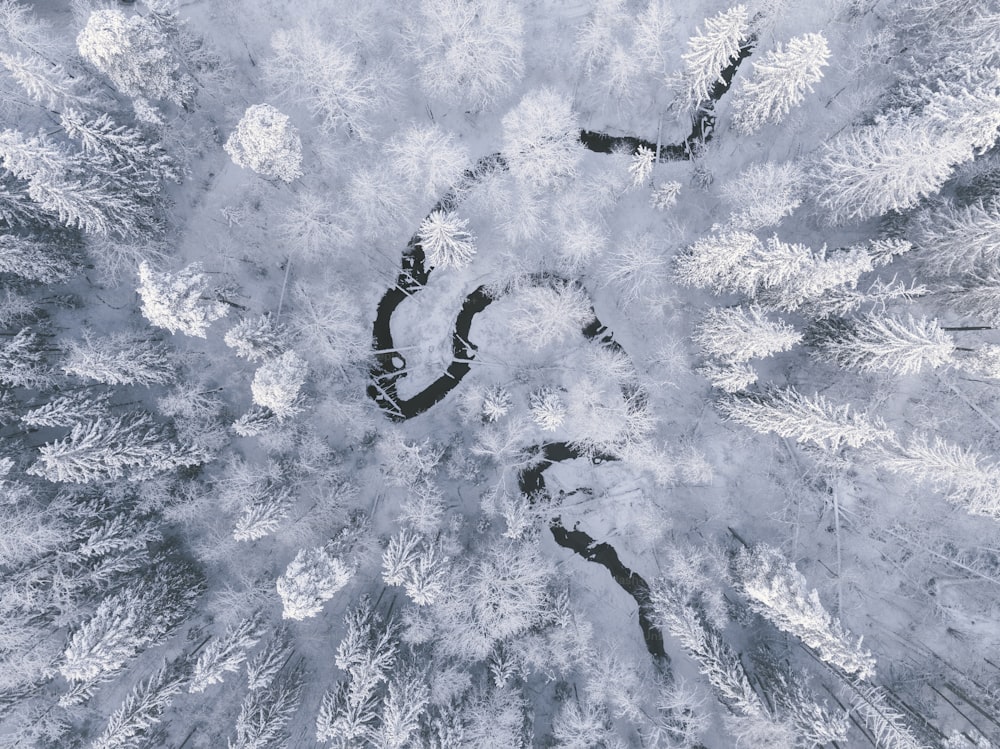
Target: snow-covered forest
585, 374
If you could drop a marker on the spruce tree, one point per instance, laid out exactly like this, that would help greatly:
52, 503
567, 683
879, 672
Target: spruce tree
310, 580
779, 82
225, 654
812, 419
711, 51
738, 334
446, 241
891, 343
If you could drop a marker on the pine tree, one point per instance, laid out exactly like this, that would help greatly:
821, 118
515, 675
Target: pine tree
547, 409
225, 654
665, 195
779, 82
125, 153
264, 667
405, 702
136, 55
310, 580
886, 723
714, 261
108, 448
580, 726
641, 168
956, 240
179, 302
446, 241
23, 361
257, 338
780, 593
541, 139
894, 344
804, 418
887, 166
277, 384
69, 188
967, 478
711, 51
45, 82
728, 376
120, 359
264, 714
738, 334
142, 708
470, 53
265, 141
262, 514
44, 261
367, 654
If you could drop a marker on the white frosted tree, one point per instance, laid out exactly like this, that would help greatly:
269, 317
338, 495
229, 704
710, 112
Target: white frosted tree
310, 580
47, 83
888, 166
732, 377
35, 259
541, 139
641, 168
763, 194
812, 419
265, 713
737, 334
136, 55
277, 384
889, 343
776, 590
23, 361
257, 338
469, 52
225, 654
445, 239
69, 409
367, 654
779, 82
966, 477
334, 81
429, 159
710, 52
405, 702
959, 239
266, 142
142, 709
181, 302
262, 514
885, 721
546, 315
109, 448
547, 409
120, 359
713, 261
664, 195
264, 667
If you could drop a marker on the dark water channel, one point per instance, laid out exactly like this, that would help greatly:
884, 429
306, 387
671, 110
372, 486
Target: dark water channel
389, 365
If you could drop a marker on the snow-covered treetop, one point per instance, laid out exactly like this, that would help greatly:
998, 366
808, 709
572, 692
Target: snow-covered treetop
277, 383
180, 301
266, 142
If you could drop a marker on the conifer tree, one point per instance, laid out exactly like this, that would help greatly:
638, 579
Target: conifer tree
108, 448
310, 580
262, 514
779, 592
445, 239
142, 709
34, 259
956, 240
278, 382
547, 409
883, 342
728, 376
225, 654
738, 334
763, 194
47, 83
264, 714
264, 667
405, 702
23, 361
887, 724
779, 82
888, 166
265, 141
181, 302
711, 51
965, 477
257, 338
120, 359
805, 418
67, 410
977, 295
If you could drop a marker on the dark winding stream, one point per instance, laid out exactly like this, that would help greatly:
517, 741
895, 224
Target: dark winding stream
389, 365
